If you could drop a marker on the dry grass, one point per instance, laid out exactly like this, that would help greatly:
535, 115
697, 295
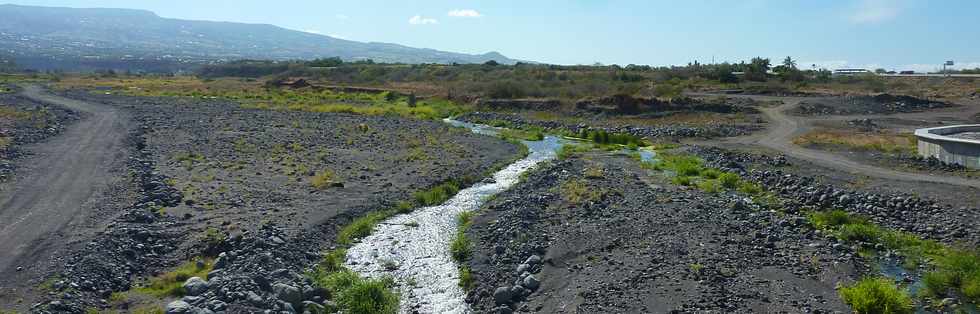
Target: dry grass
882, 142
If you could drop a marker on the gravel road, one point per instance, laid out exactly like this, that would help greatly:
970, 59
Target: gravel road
59, 183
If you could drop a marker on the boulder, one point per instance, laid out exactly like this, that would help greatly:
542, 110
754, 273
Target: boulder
502, 295
195, 286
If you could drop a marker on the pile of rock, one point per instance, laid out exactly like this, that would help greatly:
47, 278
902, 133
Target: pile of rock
895, 210
643, 131
526, 283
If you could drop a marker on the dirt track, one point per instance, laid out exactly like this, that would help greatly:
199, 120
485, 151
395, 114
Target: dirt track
61, 181
779, 136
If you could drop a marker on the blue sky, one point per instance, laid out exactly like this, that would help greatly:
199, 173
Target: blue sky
895, 34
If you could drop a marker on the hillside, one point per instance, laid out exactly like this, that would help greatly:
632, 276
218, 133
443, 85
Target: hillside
48, 37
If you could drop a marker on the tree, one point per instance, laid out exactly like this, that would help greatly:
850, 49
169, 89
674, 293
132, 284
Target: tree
491, 63
724, 73
789, 63
756, 69
881, 71
327, 62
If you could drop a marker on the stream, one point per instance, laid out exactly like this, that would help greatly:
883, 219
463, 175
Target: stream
413, 248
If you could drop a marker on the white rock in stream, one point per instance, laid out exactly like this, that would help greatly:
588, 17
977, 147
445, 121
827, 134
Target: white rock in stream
421, 253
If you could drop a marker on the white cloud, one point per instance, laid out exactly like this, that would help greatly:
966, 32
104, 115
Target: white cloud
464, 13
419, 20
875, 11
341, 17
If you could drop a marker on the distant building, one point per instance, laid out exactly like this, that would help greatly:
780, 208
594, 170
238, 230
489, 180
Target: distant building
849, 72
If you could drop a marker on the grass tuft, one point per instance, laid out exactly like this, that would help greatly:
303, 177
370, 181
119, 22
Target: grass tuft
170, 284
876, 295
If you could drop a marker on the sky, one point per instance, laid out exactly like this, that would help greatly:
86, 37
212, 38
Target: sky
894, 34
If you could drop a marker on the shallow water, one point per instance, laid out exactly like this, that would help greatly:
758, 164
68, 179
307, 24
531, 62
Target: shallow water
417, 257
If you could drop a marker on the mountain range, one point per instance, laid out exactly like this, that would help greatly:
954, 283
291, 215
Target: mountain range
77, 39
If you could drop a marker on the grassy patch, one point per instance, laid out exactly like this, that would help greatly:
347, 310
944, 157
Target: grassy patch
438, 194
323, 179
354, 294
957, 273
169, 284
953, 272
871, 141
876, 295
461, 248
362, 227
570, 150
577, 191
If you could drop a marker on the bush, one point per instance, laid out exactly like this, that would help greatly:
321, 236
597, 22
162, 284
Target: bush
957, 271
354, 294
876, 295
749, 188
360, 227
170, 284
438, 194
729, 180
710, 186
460, 248
681, 180
322, 180
465, 278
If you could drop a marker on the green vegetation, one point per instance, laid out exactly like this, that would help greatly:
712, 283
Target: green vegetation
957, 272
362, 227
323, 179
568, 150
604, 138
578, 191
689, 170
876, 295
461, 249
354, 294
439, 194
954, 271
170, 284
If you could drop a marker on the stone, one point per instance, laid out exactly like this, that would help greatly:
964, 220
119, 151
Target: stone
179, 307
533, 260
502, 295
195, 286
531, 283
289, 294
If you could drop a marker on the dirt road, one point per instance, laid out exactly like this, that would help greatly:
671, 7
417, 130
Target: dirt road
784, 128
60, 181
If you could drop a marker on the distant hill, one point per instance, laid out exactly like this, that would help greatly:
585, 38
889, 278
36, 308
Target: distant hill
69, 38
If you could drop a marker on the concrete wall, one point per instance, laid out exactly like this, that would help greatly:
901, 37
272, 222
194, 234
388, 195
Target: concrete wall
934, 142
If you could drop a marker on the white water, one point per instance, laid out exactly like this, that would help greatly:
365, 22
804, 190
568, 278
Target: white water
426, 276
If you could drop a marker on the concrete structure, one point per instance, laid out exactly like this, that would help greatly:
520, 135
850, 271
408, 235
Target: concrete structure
941, 144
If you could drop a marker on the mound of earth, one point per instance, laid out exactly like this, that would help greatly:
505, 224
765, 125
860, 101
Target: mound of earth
672, 131
597, 234
625, 104
878, 104
265, 190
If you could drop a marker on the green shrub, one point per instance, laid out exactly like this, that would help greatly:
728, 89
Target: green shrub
465, 278
749, 188
333, 261
438, 194
460, 248
361, 227
681, 180
323, 179
709, 186
711, 174
956, 271
876, 295
568, 150
860, 232
833, 219
170, 284
354, 294
729, 180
